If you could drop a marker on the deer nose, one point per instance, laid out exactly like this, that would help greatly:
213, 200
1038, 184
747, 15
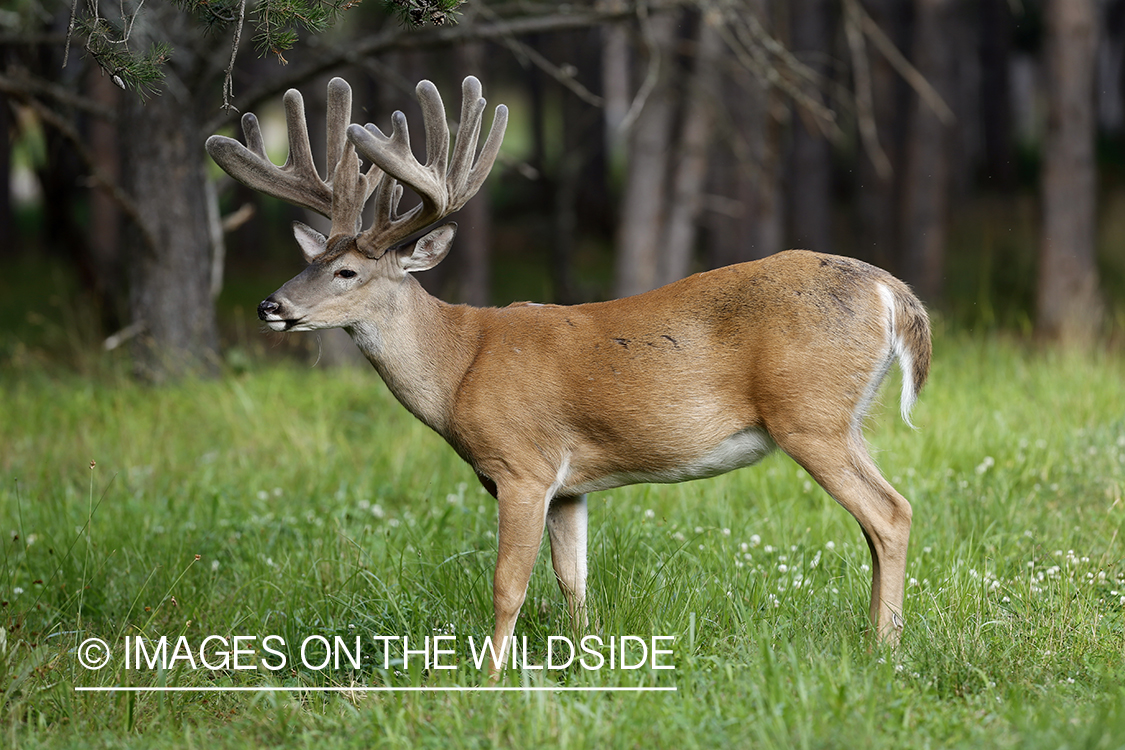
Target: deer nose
268, 307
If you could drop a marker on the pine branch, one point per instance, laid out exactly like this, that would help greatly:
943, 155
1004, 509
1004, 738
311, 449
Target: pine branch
567, 18
107, 44
419, 13
278, 26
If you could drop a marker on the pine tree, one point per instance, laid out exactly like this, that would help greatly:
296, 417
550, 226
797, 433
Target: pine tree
277, 25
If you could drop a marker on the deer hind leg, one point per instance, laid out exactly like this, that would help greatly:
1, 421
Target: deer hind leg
566, 524
843, 467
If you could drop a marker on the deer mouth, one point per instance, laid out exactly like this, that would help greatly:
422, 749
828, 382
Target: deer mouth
291, 324
277, 323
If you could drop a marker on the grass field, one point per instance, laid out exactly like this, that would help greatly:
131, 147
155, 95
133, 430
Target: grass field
298, 502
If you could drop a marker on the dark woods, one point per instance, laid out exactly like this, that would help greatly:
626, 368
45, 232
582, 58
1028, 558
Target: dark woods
972, 147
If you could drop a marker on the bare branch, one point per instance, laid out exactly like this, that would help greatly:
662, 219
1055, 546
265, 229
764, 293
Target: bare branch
228, 78
774, 64
235, 219
19, 83
70, 31
899, 62
864, 93
652, 74
568, 18
564, 77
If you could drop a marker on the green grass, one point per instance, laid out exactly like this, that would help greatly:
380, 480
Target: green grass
316, 505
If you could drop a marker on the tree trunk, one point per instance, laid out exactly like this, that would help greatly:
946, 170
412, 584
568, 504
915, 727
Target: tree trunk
1069, 310
642, 212
749, 224
475, 250
810, 177
581, 198
567, 183
996, 93
926, 172
763, 180
877, 194
169, 258
105, 216
696, 137
616, 85
7, 227
475, 218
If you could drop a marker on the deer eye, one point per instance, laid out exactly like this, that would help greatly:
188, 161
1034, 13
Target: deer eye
345, 273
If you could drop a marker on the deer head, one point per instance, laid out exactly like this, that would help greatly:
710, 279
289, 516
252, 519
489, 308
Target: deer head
353, 263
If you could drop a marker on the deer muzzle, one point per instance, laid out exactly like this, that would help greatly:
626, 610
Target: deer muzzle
268, 309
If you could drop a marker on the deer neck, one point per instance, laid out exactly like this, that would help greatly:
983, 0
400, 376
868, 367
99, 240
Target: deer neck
421, 347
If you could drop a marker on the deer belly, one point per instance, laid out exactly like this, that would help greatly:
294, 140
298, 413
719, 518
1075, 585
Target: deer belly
743, 448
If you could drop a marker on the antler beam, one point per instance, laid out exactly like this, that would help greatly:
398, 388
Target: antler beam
297, 181
444, 184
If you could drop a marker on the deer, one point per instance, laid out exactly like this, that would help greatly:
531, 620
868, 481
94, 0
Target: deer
548, 403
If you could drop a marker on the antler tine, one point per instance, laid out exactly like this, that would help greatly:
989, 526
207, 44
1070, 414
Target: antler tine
468, 130
488, 152
349, 194
444, 185
393, 155
253, 133
350, 189
387, 227
437, 129
297, 181
300, 159
339, 115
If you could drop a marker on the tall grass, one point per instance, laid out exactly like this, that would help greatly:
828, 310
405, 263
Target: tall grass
299, 501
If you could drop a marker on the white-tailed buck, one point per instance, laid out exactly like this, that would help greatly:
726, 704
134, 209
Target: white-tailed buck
547, 402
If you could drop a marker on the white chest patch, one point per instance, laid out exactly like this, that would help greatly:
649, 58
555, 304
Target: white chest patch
743, 448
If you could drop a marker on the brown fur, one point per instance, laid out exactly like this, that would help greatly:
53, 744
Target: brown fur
544, 400
548, 402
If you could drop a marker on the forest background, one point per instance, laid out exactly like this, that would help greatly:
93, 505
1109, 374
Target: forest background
974, 148
169, 468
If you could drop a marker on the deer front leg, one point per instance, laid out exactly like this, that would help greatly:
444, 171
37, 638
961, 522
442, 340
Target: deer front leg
566, 524
523, 510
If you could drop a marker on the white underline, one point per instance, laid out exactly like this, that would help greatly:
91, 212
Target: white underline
365, 689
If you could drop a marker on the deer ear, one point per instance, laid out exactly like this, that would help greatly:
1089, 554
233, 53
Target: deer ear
429, 250
313, 243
